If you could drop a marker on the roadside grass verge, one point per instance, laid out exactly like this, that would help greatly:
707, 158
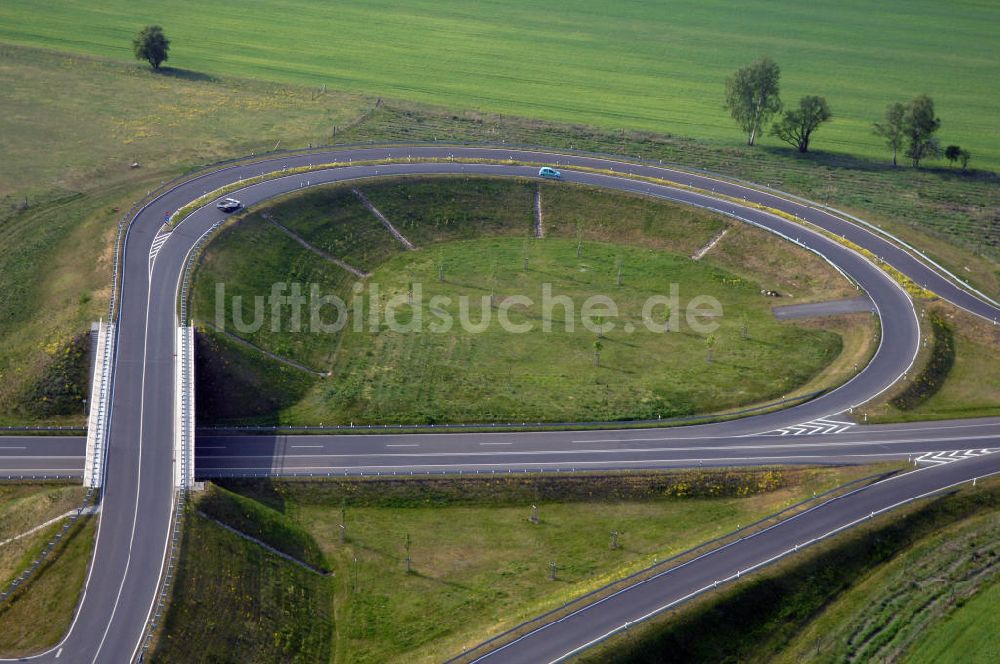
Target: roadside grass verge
849, 597
24, 505
478, 563
970, 388
233, 601
942, 212
39, 613
515, 377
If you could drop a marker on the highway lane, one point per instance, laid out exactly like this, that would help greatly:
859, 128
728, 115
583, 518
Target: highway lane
318, 455
251, 455
30, 457
138, 494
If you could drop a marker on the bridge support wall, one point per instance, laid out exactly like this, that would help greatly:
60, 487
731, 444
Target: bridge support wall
100, 406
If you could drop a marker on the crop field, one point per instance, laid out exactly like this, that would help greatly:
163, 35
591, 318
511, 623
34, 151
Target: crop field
634, 65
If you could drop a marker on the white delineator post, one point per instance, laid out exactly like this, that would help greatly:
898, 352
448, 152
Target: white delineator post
100, 402
184, 409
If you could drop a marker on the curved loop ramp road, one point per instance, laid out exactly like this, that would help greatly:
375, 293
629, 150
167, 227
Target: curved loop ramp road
139, 492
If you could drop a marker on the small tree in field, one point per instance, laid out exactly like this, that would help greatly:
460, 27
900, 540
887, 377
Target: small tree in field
954, 153
151, 45
919, 125
892, 129
797, 125
752, 96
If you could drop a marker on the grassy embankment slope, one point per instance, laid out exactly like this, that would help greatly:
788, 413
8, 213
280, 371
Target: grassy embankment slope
642, 66
478, 564
40, 612
474, 238
903, 588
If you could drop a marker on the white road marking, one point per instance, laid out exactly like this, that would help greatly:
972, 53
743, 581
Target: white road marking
403, 445
941, 458
154, 249
873, 428
819, 426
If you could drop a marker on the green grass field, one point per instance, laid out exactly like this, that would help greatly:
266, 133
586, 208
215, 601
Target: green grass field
479, 564
635, 65
473, 238
970, 630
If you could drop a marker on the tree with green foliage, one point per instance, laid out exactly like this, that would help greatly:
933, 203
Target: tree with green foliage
954, 153
151, 45
598, 347
797, 125
752, 96
963, 157
892, 129
919, 125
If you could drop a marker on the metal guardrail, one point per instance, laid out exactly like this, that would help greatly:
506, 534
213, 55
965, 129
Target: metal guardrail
184, 436
42, 429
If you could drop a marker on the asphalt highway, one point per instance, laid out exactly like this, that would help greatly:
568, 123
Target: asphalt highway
563, 451
138, 493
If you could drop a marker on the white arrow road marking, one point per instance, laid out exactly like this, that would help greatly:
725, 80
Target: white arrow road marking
941, 458
822, 425
158, 242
